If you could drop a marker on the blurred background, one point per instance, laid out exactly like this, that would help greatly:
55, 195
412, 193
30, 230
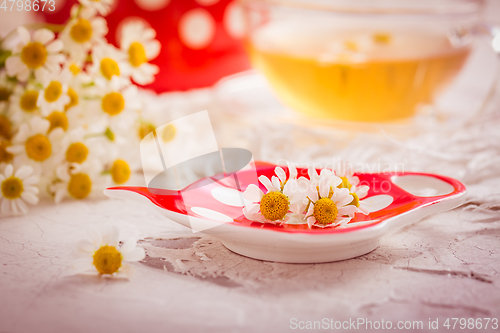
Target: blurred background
201, 39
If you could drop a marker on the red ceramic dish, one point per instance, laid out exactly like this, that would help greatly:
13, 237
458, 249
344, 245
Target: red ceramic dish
214, 205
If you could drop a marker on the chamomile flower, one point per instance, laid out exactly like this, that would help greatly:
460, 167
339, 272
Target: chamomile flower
18, 189
273, 206
346, 173
102, 6
78, 150
120, 171
108, 62
302, 184
118, 105
5, 156
39, 55
78, 181
54, 96
138, 41
358, 192
122, 161
6, 88
329, 205
316, 178
34, 144
82, 31
5, 127
104, 255
23, 104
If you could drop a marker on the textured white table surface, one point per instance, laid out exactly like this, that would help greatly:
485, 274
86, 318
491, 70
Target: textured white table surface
445, 266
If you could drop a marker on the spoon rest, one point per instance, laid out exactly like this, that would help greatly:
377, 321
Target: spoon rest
213, 205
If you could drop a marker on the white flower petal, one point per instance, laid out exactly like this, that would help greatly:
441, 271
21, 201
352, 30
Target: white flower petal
342, 201
292, 170
13, 207
253, 193
24, 34
43, 36
335, 181
5, 206
9, 171
347, 210
128, 245
324, 188
55, 46
31, 180
280, 173
23, 172
14, 65
251, 209
276, 183
310, 221
267, 183
83, 265
23, 74
29, 198
95, 236
112, 236
136, 254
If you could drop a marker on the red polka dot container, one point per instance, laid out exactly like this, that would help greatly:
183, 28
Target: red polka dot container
201, 39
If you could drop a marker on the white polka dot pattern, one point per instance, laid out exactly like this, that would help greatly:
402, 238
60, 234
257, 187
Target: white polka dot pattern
207, 2
228, 196
211, 214
152, 5
234, 21
197, 28
377, 202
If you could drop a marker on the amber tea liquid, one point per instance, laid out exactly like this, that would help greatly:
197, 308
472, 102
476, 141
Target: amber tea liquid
356, 75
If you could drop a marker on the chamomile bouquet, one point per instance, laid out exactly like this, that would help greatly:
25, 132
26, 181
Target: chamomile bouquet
70, 116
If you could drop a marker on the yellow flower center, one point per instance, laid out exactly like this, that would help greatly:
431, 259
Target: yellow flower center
345, 183
5, 156
77, 153
145, 129
79, 186
168, 133
58, 119
34, 55
382, 38
73, 99
113, 103
53, 91
325, 211
107, 260
274, 205
81, 31
137, 54
74, 69
27, 102
38, 147
355, 200
12, 188
109, 67
120, 171
5, 128
4, 94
